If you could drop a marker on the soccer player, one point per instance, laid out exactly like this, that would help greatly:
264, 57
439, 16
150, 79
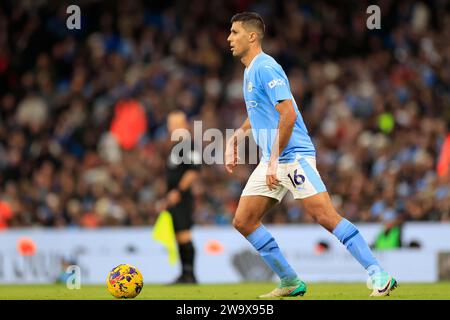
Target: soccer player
181, 171
288, 163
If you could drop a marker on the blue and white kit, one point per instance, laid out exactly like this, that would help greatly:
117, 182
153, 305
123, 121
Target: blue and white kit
265, 85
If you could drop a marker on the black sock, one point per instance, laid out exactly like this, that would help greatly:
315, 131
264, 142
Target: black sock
187, 253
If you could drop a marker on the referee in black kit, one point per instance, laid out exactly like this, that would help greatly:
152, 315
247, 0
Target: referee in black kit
181, 171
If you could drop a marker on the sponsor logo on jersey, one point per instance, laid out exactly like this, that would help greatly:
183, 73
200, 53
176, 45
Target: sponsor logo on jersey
276, 82
251, 104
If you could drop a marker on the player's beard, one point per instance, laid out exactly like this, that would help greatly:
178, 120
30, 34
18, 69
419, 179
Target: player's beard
240, 55
235, 53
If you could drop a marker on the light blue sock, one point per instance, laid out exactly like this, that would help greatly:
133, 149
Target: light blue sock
268, 248
349, 235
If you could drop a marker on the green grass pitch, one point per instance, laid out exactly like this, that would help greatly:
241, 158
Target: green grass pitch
241, 291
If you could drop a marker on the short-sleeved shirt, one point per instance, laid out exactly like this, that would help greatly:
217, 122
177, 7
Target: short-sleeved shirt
178, 163
266, 85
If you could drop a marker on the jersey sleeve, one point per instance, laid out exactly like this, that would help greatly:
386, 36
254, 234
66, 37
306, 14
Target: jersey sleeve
274, 83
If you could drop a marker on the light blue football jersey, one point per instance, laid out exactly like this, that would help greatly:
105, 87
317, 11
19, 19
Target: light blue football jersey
265, 85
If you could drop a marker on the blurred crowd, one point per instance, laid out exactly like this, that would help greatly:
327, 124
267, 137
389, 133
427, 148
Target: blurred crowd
376, 102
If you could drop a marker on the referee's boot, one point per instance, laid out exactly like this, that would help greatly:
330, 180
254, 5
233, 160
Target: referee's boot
185, 279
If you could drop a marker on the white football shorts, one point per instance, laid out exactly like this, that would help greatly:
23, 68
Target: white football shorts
301, 178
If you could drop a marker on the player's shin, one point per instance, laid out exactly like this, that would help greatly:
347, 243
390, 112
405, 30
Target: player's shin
268, 248
349, 236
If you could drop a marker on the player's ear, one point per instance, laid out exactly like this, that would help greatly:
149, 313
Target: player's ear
253, 36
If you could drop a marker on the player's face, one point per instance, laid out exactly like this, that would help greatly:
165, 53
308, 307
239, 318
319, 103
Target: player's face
238, 39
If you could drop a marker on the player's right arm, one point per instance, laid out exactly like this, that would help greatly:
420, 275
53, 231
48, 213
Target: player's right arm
187, 179
231, 154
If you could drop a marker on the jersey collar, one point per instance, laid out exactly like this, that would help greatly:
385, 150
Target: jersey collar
253, 60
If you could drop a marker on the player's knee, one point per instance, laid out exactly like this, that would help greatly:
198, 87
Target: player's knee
322, 218
184, 236
244, 227
238, 224
326, 217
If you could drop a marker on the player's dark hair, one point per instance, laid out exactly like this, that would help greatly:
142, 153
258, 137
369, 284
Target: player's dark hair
252, 19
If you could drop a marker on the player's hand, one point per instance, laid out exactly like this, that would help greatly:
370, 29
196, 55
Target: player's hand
231, 155
271, 175
173, 197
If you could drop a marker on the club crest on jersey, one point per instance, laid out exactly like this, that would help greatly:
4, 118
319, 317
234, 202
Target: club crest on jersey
249, 86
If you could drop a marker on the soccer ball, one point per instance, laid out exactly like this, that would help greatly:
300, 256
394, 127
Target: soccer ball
124, 281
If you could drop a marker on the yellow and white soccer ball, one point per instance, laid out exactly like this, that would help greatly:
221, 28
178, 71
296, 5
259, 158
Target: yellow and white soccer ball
125, 281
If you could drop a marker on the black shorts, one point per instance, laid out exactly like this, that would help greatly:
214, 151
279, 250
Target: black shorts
182, 215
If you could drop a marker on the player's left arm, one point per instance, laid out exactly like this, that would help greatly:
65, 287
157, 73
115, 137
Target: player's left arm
288, 117
276, 86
